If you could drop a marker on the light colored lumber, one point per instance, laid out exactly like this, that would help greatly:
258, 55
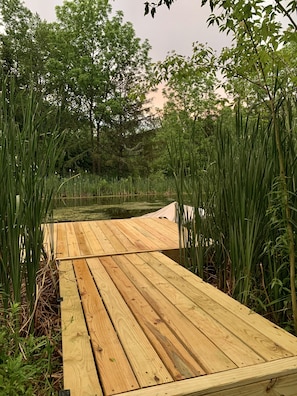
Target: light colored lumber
87, 256
140, 227
48, 238
62, 246
277, 336
114, 227
112, 236
80, 375
73, 247
81, 238
256, 379
280, 386
211, 358
99, 230
175, 356
140, 242
93, 239
114, 369
232, 346
146, 363
163, 229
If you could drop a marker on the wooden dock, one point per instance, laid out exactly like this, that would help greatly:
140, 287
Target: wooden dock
136, 323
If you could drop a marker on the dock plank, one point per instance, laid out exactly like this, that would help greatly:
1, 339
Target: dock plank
278, 378
81, 238
61, 245
277, 336
160, 229
145, 361
79, 369
140, 243
174, 354
114, 368
73, 246
93, 239
209, 356
99, 229
178, 290
126, 242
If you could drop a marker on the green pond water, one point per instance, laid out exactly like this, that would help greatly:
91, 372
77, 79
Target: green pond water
104, 208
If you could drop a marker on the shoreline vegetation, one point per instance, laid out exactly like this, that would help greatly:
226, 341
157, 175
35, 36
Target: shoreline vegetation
84, 185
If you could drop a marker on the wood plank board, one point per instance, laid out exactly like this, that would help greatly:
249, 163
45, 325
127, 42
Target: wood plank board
92, 237
95, 238
114, 368
80, 373
160, 229
98, 227
145, 361
277, 378
174, 354
260, 346
61, 245
279, 336
73, 246
211, 358
233, 347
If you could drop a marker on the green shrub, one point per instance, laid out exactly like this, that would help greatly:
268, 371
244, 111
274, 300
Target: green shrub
25, 362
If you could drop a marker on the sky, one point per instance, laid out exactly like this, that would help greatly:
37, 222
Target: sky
177, 29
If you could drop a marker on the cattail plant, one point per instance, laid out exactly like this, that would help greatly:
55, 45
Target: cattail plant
242, 235
28, 153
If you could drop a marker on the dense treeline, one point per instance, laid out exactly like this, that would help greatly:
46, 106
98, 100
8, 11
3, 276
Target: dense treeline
94, 73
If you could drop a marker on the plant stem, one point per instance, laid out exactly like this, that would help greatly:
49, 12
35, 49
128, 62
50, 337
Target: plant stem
290, 234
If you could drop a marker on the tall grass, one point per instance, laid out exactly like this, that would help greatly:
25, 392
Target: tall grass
242, 237
28, 152
89, 185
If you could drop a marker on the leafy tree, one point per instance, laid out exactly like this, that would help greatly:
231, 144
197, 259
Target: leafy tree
191, 104
22, 50
103, 67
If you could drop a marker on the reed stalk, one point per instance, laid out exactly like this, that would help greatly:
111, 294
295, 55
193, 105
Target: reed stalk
244, 236
28, 154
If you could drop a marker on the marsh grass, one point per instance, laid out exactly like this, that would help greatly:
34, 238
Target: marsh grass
84, 185
28, 154
29, 336
241, 241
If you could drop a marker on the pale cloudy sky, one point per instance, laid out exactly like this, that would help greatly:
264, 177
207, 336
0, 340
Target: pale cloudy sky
170, 30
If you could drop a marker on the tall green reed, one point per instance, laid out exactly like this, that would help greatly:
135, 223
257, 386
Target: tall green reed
28, 153
90, 185
243, 233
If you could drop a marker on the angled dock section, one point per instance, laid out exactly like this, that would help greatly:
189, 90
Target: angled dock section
136, 323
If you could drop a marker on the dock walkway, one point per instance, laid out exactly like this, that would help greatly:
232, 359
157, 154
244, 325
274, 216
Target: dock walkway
136, 323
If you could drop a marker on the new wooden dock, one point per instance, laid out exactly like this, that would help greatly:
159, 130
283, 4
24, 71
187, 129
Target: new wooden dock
136, 323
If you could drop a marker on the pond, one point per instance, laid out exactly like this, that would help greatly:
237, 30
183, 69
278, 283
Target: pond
104, 208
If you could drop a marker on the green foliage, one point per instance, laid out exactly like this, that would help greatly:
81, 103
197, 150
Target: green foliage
91, 67
191, 107
248, 189
25, 362
242, 238
89, 185
104, 73
28, 155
